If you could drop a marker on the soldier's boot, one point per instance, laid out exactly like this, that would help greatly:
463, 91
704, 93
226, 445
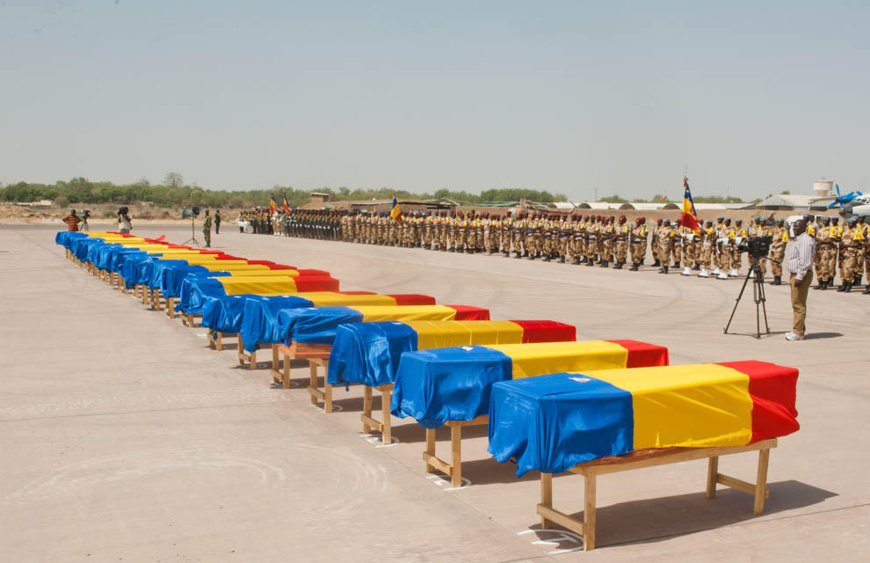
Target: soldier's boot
821, 284
703, 273
858, 280
686, 271
634, 267
519, 255
696, 267
664, 269
657, 263
867, 290
451, 249
561, 259
618, 266
576, 261
849, 287
583, 259
723, 275
642, 261
590, 263
677, 265
842, 287
547, 258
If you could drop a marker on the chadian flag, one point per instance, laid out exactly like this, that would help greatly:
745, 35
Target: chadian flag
434, 386
273, 205
369, 353
396, 211
535, 421
690, 217
286, 207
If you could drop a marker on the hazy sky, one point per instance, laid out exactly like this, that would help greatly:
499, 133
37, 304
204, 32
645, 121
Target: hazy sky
755, 97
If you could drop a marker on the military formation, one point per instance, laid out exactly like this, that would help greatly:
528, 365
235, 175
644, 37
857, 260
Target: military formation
261, 221
715, 250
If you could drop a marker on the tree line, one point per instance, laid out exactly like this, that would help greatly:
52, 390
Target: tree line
173, 193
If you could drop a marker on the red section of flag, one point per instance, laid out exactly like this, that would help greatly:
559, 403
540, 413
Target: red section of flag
643, 354
773, 389
469, 313
546, 331
413, 299
315, 283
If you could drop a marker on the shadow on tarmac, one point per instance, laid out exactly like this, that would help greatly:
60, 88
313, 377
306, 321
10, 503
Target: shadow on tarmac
822, 335
654, 520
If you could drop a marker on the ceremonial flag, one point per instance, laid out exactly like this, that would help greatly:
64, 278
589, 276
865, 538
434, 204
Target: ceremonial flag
396, 211
690, 217
273, 205
286, 207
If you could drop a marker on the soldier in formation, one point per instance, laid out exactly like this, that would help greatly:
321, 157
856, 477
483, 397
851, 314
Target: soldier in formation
714, 249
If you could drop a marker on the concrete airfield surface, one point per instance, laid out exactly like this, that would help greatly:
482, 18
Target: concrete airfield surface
124, 438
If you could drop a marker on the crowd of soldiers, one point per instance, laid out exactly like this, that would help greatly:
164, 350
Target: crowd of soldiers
714, 250
260, 220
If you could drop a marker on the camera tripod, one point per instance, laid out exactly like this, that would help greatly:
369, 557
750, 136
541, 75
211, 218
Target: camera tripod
192, 240
757, 296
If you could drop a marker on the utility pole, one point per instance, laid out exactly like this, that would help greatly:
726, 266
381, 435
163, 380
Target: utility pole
595, 193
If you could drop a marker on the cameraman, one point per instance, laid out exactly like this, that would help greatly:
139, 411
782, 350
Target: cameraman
800, 265
124, 221
85, 216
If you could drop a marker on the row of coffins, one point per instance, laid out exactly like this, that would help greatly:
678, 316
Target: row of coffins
551, 404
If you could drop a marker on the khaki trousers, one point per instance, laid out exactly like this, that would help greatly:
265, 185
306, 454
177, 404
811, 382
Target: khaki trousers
799, 291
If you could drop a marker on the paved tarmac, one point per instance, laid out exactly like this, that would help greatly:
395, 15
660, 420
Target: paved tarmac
124, 438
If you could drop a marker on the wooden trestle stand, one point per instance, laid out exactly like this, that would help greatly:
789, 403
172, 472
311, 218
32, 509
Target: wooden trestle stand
651, 458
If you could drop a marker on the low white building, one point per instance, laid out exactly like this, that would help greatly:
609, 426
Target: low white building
793, 202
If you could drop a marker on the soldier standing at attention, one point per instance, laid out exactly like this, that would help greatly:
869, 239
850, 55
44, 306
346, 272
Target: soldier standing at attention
723, 230
687, 237
665, 240
620, 242
578, 238
654, 244
826, 261
708, 241
677, 246
605, 235
865, 229
777, 251
736, 259
638, 238
853, 245
505, 235
591, 240
206, 229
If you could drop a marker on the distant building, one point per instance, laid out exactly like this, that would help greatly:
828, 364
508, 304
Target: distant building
788, 202
319, 198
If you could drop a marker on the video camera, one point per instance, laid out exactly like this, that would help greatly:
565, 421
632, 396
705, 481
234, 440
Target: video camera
757, 247
123, 210
192, 212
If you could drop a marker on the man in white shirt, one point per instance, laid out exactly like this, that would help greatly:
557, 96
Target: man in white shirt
800, 264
